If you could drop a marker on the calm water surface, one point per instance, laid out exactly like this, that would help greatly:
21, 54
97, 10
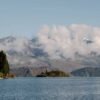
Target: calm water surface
50, 89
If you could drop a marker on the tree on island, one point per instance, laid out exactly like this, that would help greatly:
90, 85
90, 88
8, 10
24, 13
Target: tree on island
54, 73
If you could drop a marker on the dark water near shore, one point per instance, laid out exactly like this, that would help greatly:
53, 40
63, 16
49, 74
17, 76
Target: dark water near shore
50, 89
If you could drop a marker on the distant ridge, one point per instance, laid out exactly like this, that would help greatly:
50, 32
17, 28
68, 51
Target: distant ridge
87, 72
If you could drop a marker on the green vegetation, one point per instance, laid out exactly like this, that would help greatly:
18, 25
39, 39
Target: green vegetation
4, 66
2, 75
54, 73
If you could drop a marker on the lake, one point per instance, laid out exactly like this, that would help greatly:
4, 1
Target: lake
50, 89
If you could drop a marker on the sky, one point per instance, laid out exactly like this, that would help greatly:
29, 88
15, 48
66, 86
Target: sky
26, 17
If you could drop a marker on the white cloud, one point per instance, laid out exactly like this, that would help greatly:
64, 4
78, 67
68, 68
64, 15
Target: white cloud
67, 40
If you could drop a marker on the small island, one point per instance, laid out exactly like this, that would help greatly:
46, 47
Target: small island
54, 73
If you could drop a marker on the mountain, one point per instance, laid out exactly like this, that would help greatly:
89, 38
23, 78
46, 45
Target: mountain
21, 48
28, 57
23, 54
87, 72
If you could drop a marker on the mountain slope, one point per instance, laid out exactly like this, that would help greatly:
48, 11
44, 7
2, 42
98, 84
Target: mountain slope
87, 72
23, 55
29, 54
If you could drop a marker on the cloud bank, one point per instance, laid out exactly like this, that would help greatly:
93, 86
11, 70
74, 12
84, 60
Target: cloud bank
65, 41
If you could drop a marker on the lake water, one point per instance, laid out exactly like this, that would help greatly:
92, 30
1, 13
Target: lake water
50, 89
